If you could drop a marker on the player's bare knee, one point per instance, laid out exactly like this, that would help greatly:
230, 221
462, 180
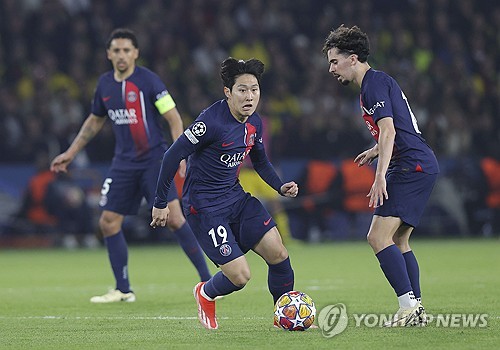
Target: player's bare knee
377, 243
277, 256
403, 246
107, 226
401, 243
372, 240
241, 278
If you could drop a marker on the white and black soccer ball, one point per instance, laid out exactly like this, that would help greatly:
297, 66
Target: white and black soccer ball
294, 311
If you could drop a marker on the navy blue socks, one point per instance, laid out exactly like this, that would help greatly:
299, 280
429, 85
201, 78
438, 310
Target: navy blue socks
394, 267
118, 257
413, 272
219, 284
190, 245
280, 278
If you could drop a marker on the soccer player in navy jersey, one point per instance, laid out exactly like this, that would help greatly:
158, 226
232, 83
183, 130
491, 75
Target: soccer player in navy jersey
406, 170
134, 99
227, 221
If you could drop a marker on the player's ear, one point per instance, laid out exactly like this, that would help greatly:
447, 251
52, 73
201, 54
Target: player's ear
353, 58
227, 92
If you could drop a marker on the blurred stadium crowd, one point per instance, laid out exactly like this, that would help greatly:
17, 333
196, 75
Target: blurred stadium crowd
445, 55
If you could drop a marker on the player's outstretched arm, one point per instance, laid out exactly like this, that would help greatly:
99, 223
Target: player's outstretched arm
175, 125
290, 189
92, 125
179, 150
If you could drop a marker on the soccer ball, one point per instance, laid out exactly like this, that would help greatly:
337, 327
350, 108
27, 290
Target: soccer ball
294, 311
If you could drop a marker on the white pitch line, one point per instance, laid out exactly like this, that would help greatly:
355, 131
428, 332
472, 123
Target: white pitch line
55, 317
58, 317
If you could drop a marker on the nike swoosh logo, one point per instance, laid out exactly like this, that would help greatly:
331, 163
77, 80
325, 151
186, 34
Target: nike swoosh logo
106, 98
287, 284
227, 144
267, 221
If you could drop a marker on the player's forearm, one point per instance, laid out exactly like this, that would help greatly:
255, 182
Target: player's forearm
385, 148
176, 129
269, 175
171, 159
266, 170
89, 129
165, 178
175, 123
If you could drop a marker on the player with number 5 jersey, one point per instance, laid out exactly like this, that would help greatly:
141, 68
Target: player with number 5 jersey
406, 170
134, 99
227, 221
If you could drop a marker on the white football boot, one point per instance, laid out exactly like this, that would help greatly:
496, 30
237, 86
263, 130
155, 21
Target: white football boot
114, 296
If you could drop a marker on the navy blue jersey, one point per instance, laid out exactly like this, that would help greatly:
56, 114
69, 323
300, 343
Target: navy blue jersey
382, 97
216, 144
134, 106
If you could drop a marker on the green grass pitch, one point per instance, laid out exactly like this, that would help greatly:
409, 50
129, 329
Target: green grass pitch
44, 299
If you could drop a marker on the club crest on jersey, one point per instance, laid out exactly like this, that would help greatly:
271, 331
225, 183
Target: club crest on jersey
103, 201
250, 139
225, 250
250, 134
131, 96
199, 129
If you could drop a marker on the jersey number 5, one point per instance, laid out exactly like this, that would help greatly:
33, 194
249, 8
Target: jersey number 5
105, 186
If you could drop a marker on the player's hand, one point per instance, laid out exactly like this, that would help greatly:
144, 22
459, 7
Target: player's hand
378, 192
60, 163
290, 189
367, 157
182, 168
159, 217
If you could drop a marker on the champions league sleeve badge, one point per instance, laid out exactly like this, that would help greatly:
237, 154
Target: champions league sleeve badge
199, 129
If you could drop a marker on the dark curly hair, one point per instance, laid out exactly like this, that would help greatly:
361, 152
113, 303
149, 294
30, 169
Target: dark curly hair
231, 68
348, 41
122, 33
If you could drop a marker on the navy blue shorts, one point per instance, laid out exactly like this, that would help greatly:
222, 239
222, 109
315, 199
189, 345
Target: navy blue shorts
408, 196
124, 189
229, 233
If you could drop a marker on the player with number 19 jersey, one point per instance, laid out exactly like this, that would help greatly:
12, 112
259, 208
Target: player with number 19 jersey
382, 97
217, 145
